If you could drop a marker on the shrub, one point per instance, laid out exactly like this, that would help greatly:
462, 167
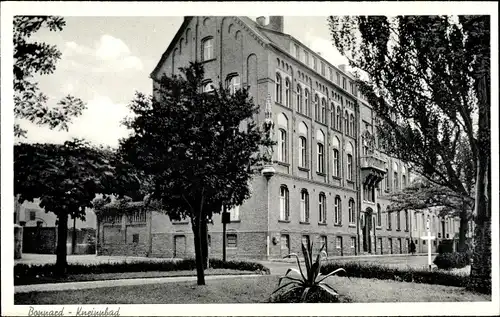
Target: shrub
398, 274
453, 260
23, 273
310, 287
445, 246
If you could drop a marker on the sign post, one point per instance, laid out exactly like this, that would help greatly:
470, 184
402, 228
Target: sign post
429, 238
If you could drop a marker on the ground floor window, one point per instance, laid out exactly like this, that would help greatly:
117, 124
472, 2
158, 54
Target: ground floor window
135, 238
232, 240
285, 242
380, 244
305, 240
323, 242
353, 242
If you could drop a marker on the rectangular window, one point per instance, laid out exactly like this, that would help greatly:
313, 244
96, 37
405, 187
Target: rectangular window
344, 83
320, 158
232, 240
389, 220
349, 167
353, 242
305, 240
135, 238
380, 245
330, 73
285, 243
338, 243
235, 213
336, 163
323, 69
297, 52
323, 242
32, 215
306, 57
284, 211
338, 78
315, 63
207, 49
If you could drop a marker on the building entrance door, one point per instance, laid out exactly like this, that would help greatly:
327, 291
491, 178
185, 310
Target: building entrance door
179, 246
367, 228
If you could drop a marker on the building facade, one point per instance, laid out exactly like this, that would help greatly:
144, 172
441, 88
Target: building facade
330, 181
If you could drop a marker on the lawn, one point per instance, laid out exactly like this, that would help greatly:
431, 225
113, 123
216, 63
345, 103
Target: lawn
249, 290
127, 275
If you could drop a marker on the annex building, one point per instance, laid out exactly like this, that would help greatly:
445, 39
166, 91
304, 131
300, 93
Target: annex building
331, 180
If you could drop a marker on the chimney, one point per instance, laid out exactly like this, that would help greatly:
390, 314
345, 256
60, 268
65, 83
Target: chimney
261, 21
276, 23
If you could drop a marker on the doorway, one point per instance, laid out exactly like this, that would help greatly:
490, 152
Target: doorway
179, 246
367, 228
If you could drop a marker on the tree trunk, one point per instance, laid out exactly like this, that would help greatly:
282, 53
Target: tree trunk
480, 278
204, 242
197, 230
62, 235
462, 232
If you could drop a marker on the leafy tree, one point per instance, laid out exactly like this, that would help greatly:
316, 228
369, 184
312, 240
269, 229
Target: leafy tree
35, 58
427, 79
423, 194
66, 178
198, 149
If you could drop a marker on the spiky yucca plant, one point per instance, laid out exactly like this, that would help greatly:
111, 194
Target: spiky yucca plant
313, 280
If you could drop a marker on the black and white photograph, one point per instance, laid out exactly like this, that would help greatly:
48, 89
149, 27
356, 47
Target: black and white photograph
186, 158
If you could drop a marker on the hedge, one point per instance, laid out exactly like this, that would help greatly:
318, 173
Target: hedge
381, 272
453, 260
23, 272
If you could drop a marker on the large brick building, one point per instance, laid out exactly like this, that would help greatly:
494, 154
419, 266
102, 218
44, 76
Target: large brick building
330, 181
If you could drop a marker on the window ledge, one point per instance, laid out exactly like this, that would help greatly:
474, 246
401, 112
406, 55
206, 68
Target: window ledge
304, 223
321, 223
319, 122
378, 228
398, 230
304, 169
180, 222
338, 224
235, 221
350, 182
285, 221
352, 225
321, 174
208, 60
282, 163
337, 178
389, 229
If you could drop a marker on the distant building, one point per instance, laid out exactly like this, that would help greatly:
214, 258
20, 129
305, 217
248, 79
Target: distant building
331, 176
40, 229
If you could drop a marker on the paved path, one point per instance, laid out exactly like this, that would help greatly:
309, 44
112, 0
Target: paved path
113, 283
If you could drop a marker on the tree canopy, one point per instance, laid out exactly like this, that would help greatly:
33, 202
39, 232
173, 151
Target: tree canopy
38, 58
198, 149
428, 80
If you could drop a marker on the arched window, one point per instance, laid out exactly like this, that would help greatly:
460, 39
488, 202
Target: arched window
288, 95
208, 87
352, 212
332, 115
303, 145
307, 102
336, 157
320, 151
353, 132
278, 88
323, 110
299, 99
207, 49
407, 225
398, 220
304, 206
349, 167
346, 123
322, 208
316, 107
233, 83
284, 203
339, 119
337, 211
379, 216
282, 138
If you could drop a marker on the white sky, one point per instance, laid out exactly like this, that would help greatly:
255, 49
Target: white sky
104, 61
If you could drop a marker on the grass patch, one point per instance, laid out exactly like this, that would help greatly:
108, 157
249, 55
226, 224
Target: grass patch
248, 290
32, 274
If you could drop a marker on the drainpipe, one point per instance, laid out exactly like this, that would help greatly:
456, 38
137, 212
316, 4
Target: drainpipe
358, 178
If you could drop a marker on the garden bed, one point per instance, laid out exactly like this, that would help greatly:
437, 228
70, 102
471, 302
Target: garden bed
35, 274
